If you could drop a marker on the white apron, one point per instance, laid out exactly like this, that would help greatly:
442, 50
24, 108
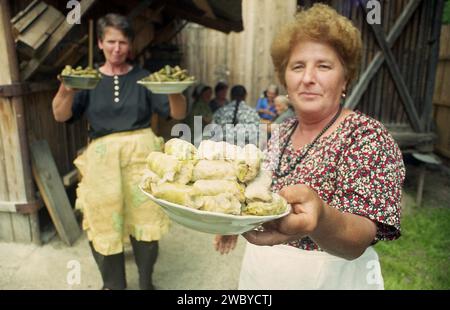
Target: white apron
283, 267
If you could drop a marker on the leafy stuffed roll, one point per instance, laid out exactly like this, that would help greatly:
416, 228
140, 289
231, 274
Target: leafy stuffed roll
176, 193
216, 187
277, 206
222, 203
181, 149
165, 166
259, 188
214, 170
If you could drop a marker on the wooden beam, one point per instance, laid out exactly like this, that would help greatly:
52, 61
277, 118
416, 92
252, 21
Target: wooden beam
23, 208
51, 43
12, 121
21, 89
72, 54
412, 139
204, 6
191, 15
138, 9
53, 193
24, 18
15, 168
432, 65
360, 88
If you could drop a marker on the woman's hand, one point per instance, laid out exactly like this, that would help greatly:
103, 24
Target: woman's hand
178, 106
307, 210
225, 244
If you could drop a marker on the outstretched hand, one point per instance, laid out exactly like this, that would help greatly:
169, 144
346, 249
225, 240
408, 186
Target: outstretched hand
307, 208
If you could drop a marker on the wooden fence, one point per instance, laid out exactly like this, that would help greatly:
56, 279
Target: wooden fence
238, 58
441, 100
398, 67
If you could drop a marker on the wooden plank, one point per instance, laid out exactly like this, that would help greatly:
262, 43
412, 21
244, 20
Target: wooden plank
4, 195
410, 139
29, 41
27, 16
51, 43
53, 192
21, 227
22, 89
6, 228
378, 60
442, 119
204, 6
24, 11
195, 15
34, 228
8, 206
432, 65
144, 36
12, 124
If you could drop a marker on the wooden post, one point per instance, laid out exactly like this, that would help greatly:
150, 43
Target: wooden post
15, 167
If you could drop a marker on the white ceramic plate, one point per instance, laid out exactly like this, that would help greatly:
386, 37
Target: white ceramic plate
212, 222
166, 87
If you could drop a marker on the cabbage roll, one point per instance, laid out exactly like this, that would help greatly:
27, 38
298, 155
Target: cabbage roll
176, 193
210, 150
148, 178
165, 166
216, 187
184, 176
222, 203
277, 206
214, 170
259, 188
181, 149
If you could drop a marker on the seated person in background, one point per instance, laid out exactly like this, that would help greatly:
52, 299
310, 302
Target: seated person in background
220, 100
201, 96
237, 112
284, 112
265, 105
283, 108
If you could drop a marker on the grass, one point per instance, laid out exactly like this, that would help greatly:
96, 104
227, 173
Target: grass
420, 259
446, 15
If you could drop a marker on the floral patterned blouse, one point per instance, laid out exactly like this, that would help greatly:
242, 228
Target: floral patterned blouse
357, 169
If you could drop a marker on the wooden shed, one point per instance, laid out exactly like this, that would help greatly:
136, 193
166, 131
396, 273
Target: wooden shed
37, 38
398, 71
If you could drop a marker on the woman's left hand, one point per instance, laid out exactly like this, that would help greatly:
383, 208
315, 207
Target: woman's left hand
307, 209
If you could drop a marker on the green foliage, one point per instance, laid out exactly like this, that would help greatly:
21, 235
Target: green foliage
446, 15
420, 259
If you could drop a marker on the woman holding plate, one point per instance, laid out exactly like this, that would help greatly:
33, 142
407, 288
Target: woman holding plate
119, 112
340, 170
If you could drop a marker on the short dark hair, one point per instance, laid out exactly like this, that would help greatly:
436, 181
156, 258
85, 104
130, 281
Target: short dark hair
220, 86
238, 93
116, 21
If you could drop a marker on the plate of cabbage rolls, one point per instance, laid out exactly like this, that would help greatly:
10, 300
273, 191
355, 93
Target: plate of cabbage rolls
218, 188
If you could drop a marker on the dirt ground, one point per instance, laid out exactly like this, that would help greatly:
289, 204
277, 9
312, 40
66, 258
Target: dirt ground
186, 260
